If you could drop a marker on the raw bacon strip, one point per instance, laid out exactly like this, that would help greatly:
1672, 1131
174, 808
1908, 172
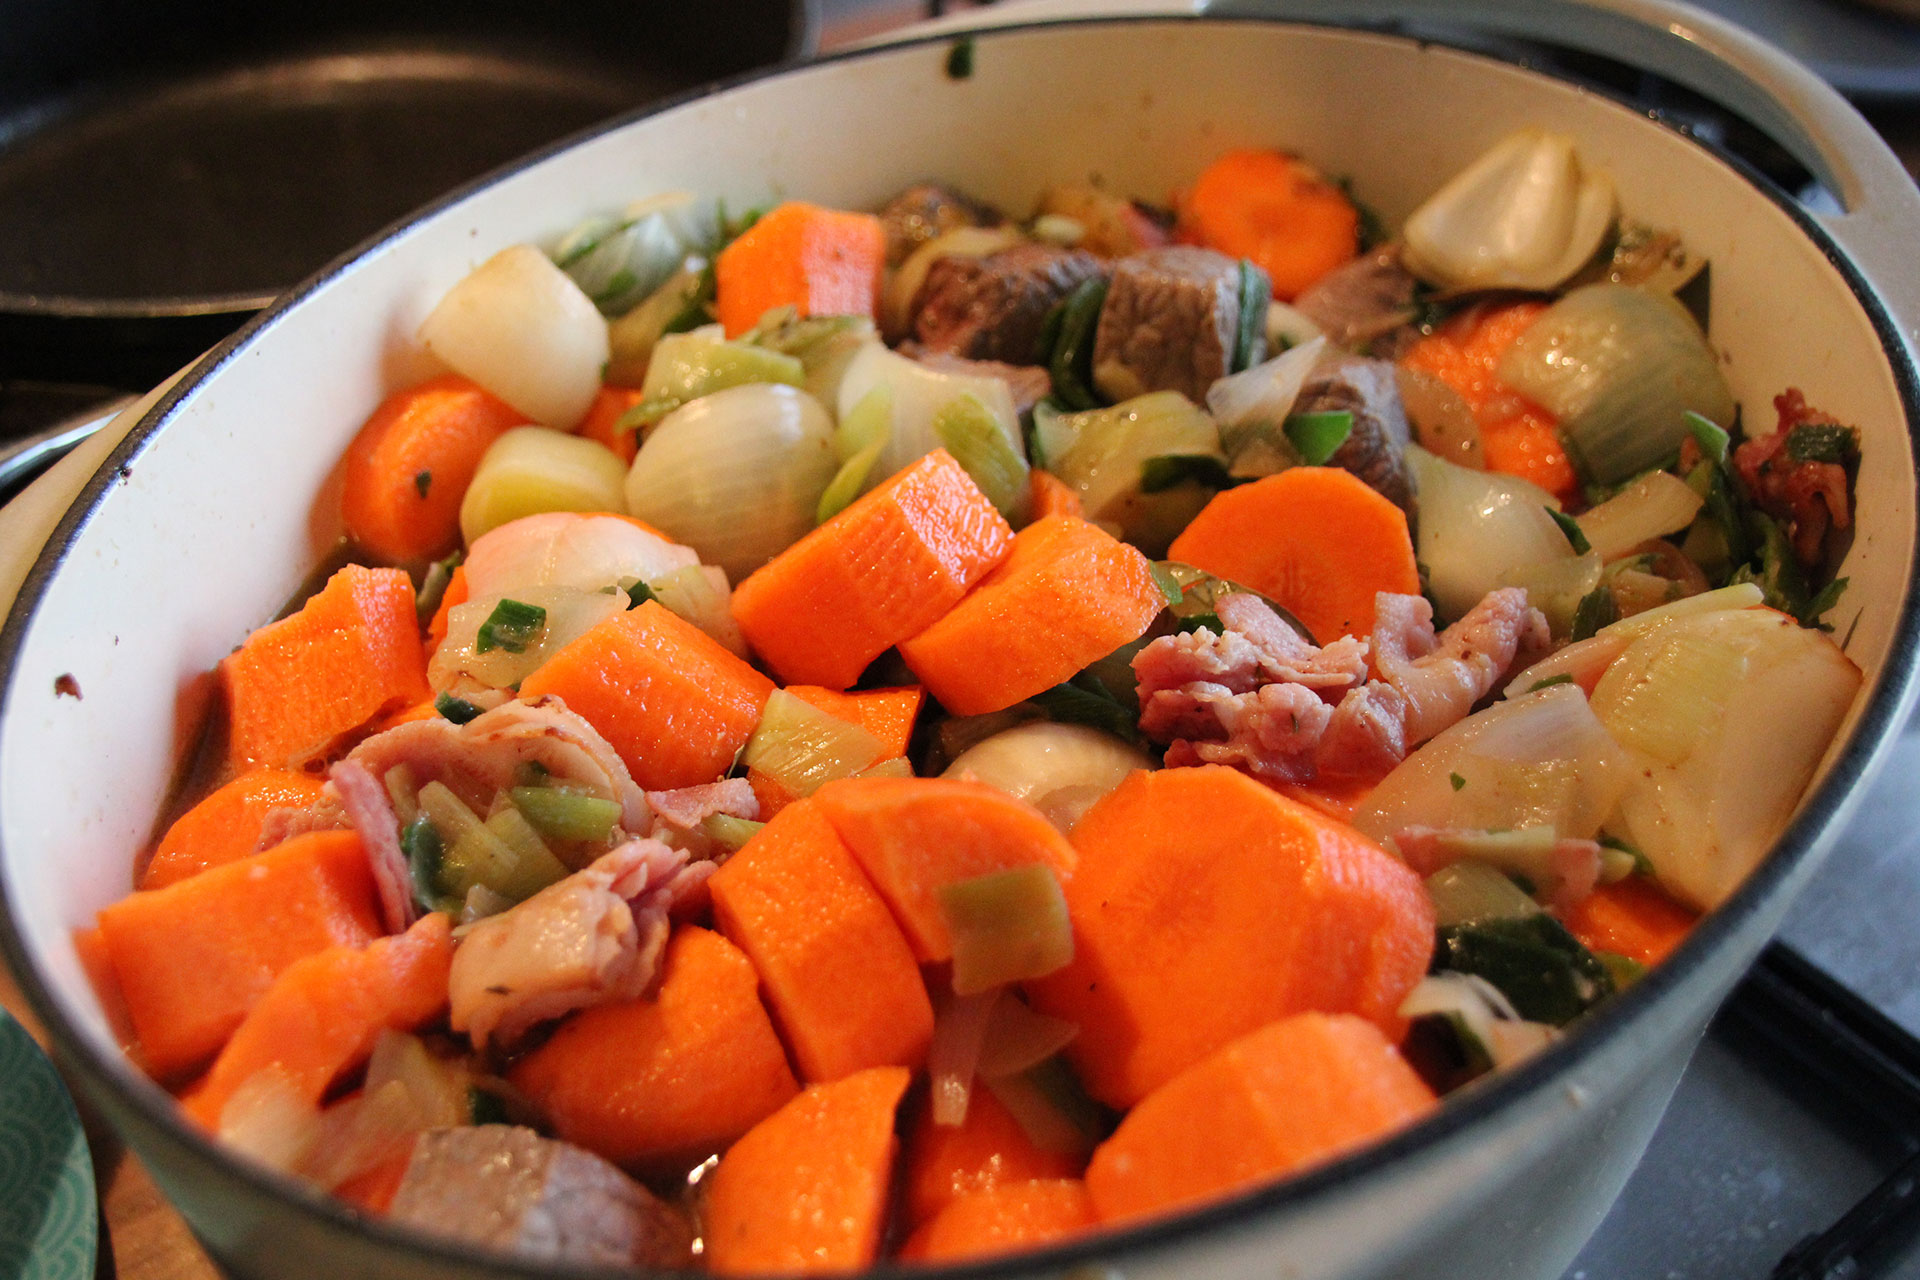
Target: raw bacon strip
1442, 676
685, 808
370, 810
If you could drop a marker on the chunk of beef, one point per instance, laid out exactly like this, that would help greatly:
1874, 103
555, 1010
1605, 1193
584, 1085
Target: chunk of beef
1362, 300
927, 210
1376, 451
1169, 323
992, 308
1030, 384
510, 1188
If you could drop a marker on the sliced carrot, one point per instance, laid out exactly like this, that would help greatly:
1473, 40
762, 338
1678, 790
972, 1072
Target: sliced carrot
299, 685
407, 470
913, 835
1053, 496
987, 1150
806, 1191
96, 961
1316, 540
192, 958
887, 714
375, 1189
1068, 594
1517, 436
1206, 905
453, 597
822, 261
884, 569
1632, 918
602, 422
675, 704
666, 1080
1275, 210
833, 965
319, 1019
1003, 1219
1290, 1094
226, 825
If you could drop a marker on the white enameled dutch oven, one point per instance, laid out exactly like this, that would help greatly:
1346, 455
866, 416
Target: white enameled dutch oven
219, 501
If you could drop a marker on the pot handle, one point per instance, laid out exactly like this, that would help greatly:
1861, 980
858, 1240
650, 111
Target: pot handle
1878, 204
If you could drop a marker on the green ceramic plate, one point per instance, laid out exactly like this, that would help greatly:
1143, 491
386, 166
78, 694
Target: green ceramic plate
49, 1225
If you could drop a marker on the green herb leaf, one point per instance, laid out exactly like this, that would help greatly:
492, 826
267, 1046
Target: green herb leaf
960, 59
458, 710
1085, 700
511, 626
1576, 536
1459, 783
1827, 597
1597, 609
1821, 442
1544, 970
1318, 436
422, 481
1160, 474
1550, 681
1169, 585
1709, 435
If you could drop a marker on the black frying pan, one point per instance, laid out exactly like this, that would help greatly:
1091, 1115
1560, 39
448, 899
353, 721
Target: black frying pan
166, 168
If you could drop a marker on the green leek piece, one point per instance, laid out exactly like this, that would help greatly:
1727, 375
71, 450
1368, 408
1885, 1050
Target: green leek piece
969, 431
1318, 436
511, 626
1250, 335
1007, 926
725, 829
1596, 610
1576, 536
458, 710
533, 865
803, 748
473, 855
687, 366
1070, 363
1709, 435
420, 841
1541, 968
559, 813
891, 767
1102, 455
860, 439
1051, 1108
433, 586
1157, 475
1463, 892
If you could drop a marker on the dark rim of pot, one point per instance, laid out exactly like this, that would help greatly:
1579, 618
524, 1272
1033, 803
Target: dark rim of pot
1528, 1080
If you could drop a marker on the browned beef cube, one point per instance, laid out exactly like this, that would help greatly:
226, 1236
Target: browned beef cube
926, 210
1362, 300
510, 1188
992, 308
1169, 323
1376, 450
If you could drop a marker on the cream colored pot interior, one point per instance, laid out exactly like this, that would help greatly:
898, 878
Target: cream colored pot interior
216, 520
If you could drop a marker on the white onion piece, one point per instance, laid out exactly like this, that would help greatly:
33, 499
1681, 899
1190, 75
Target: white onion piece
1620, 368
569, 549
1586, 660
919, 393
1540, 760
1729, 713
362, 1132
1060, 769
703, 597
1653, 506
530, 470
1526, 215
1479, 527
736, 475
959, 1029
962, 242
1264, 393
571, 613
1017, 1039
268, 1119
520, 328
438, 1088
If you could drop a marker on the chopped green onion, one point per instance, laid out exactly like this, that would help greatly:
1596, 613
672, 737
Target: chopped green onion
1642, 864
639, 593
862, 436
534, 866
562, 814
1459, 783
511, 626
969, 431
1820, 442
458, 710
1576, 536
725, 829
422, 482
803, 748
1318, 436
1709, 435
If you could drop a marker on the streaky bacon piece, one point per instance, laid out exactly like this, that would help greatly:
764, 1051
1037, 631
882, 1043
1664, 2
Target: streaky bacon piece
370, 809
1441, 677
685, 808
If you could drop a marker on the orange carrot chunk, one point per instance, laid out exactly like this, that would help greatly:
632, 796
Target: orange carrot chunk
299, 685
675, 704
1275, 210
192, 958
410, 465
884, 569
987, 1150
1068, 594
226, 825
822, 261
1002, 1219
453, 597
602, 423
320, 1017
1632, 918
806, 1191
841, 982
914, 835
1206, 905
1291, 1094
1316, 540
665, 1080
1053, 496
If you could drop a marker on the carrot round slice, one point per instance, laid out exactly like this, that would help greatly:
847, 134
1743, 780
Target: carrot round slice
1316, 540
1206, 905
1291, 1094
1632, 918
806, 1191
1276, 210
225, 826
